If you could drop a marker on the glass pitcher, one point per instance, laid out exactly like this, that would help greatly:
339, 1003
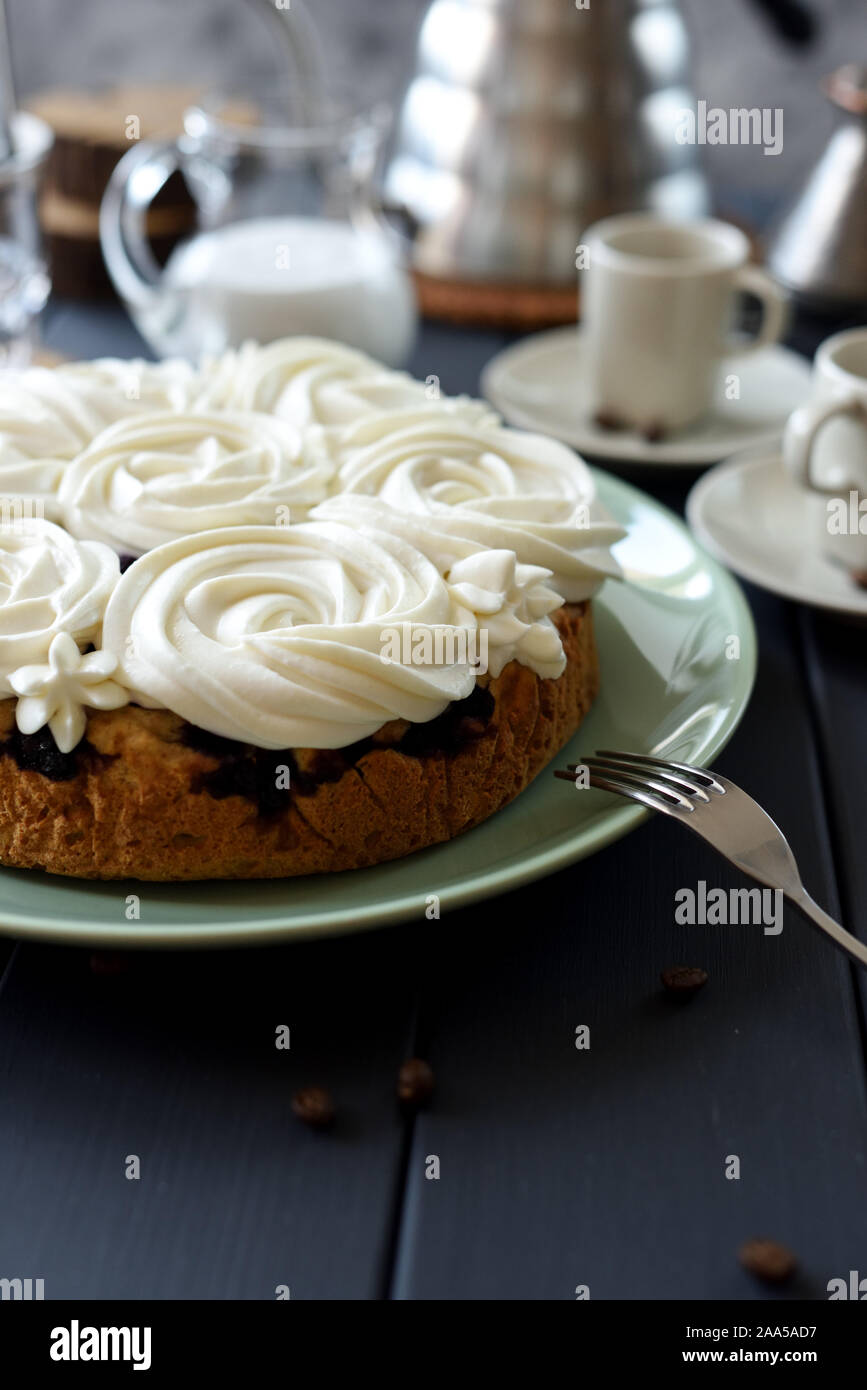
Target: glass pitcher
288, 239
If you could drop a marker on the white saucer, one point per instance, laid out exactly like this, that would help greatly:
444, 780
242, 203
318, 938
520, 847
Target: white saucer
749, 514
540, 384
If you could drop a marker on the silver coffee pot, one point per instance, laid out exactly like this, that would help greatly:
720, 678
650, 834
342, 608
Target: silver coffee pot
528, 119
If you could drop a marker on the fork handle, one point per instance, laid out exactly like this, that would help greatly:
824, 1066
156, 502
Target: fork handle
819, 918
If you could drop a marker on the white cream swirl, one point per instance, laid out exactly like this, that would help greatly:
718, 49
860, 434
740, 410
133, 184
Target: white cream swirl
111, 388
49, 584
35, 443
49, 414
145, 481
451, 484
312, 381
274, 636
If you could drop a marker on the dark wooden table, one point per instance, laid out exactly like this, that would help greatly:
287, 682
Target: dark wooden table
558, 1167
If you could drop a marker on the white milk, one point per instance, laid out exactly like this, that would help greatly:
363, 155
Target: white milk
269, 277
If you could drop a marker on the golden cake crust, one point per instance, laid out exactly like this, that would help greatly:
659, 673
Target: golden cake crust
150, 800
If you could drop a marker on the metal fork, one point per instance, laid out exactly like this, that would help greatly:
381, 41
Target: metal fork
723, 815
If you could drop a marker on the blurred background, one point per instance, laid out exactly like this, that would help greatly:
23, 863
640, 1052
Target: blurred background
738, 59
517, 124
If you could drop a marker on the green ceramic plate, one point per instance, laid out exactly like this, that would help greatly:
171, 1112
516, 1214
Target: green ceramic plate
678, 656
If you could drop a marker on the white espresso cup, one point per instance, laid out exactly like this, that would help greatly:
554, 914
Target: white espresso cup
657, 305
825, 447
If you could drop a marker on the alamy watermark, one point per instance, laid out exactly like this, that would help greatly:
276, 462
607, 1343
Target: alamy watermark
17, 514
408, 644
740, 125
847, 517
854, 1288
23, 1290
77, 1343
729, 907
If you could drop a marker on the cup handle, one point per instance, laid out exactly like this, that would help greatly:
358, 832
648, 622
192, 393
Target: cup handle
803, 427
134, 183
775, 309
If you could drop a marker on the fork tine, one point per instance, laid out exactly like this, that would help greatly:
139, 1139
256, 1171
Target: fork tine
661, 796
652, 795
676, 780
706, 779
664, 782
670, 794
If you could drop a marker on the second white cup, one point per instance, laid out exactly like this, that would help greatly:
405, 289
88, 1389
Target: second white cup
825, 447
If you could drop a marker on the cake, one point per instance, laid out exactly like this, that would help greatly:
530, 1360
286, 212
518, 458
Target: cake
287, 612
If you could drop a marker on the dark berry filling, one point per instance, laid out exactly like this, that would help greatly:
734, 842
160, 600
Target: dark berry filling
257, 773
266, 776
205, 742
39, 753
460, 722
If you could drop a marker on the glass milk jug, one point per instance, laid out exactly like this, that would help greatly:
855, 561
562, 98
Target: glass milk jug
288, 240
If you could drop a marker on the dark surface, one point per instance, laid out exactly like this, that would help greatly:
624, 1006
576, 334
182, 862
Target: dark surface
558, 1167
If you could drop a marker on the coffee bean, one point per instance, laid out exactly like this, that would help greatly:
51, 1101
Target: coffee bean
415, 1083
654, 431
683, 981
314, 1106
768, 1260
609, 420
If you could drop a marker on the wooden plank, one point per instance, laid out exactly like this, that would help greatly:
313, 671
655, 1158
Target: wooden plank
606, 1167
176, 1063
834, 662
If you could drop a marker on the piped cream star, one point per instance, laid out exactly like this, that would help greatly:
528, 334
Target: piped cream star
56, 694
510, 602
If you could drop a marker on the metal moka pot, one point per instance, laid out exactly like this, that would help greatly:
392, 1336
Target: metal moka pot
819, 248
529, 119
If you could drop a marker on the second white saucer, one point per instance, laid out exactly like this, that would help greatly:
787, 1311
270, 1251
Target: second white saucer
540, 383
752, 516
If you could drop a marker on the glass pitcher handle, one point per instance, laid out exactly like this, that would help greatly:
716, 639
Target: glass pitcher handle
134, 183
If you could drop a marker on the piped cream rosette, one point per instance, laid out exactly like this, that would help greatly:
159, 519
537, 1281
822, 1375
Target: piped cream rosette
34, 445
49, 583
283, 637
48, 415
111, 388
145, 481
53, 592
311, 381
494, 488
